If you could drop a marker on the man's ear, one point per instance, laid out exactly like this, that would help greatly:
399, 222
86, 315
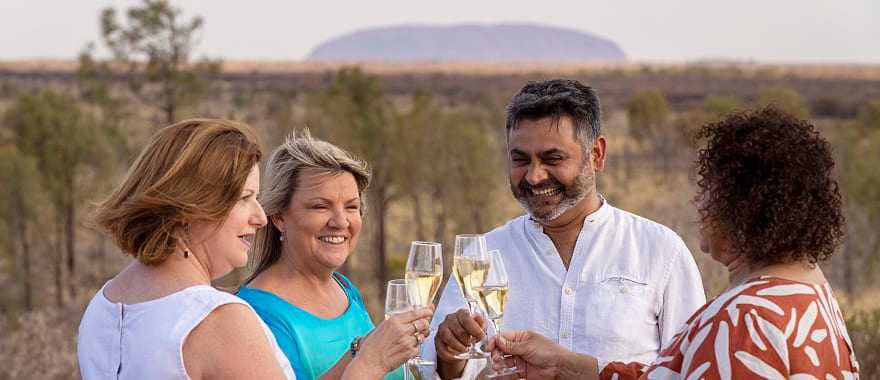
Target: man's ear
597, 154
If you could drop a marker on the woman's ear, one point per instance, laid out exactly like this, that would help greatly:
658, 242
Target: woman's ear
277, 220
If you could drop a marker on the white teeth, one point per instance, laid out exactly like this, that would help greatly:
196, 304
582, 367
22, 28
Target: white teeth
332, 239
545, 192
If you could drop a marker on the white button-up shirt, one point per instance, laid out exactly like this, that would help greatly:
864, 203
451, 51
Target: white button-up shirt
631, 284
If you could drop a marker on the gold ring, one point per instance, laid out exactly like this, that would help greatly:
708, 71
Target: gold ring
415, 328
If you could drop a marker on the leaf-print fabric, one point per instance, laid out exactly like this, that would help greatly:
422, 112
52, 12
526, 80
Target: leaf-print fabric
766, 328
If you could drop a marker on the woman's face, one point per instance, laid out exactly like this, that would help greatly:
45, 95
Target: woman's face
226, 247
323, 220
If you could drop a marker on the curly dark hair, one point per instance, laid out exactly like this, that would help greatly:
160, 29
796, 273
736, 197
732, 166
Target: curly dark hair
766, 186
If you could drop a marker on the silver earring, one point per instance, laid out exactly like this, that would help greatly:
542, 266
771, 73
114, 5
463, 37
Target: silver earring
281, 238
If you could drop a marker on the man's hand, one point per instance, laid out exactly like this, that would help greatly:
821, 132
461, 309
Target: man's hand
453, 337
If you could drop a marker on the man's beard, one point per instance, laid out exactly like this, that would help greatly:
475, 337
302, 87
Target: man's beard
571, 195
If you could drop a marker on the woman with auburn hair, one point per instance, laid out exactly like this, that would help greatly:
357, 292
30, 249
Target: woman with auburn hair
770, 211
313, 198
187, 211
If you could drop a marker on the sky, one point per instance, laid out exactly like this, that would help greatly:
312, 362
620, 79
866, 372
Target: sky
777, 31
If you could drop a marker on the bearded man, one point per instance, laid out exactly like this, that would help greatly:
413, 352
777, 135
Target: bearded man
595, 279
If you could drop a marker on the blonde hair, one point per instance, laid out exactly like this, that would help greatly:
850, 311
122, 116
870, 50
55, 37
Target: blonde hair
285, 166
190, 171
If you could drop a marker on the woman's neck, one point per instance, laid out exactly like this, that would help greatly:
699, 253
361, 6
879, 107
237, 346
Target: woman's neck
800, 271
311, 289
139, 282
286, 272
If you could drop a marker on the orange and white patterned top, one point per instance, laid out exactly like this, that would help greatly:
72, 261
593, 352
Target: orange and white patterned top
766, 328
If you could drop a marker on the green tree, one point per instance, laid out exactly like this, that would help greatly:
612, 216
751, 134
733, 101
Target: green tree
450, 168
861, 182
719, 105
95, 79
651, 126
156, 46
18, 216
64, 143
785, 99
648, 113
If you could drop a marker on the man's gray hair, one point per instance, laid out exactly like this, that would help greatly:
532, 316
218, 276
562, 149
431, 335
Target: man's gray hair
558, 98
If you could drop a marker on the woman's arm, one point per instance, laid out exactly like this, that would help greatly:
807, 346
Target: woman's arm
388, 346
230, 343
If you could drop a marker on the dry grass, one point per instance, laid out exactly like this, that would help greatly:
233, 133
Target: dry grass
41, 344
481, 68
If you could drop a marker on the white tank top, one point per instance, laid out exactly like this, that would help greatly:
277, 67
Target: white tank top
145, 340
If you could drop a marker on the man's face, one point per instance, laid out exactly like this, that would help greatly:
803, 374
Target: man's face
549, 171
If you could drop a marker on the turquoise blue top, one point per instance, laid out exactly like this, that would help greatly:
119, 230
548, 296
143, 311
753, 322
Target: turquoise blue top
313, 344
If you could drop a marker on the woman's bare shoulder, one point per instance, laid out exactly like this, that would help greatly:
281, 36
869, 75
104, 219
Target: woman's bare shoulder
231, 342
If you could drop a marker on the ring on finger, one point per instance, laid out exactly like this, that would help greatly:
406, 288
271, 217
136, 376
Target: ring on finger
415, 328
419, 339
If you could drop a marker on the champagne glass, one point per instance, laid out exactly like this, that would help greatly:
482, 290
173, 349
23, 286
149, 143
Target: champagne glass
425, 267
493, 296
470, 264
401, 297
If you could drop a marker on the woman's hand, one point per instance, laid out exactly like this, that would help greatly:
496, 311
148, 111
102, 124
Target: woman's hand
394, 341
543, 358
539, 354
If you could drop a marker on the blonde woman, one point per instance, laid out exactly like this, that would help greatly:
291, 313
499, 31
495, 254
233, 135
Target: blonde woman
313, 198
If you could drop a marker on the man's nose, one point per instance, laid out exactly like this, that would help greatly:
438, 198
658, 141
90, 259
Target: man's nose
536, 174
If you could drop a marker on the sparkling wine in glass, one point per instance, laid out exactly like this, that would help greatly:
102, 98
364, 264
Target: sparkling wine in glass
470, 266
425, 267
401, 296
493, 297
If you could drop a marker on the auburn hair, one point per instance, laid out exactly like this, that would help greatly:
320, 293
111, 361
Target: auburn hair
190, 171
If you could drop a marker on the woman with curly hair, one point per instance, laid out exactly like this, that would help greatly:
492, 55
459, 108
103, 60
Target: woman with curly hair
770, 211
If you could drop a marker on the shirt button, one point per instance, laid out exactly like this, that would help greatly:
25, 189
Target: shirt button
568, 291
623, 290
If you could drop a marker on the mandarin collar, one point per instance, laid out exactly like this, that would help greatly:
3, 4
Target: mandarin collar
596, 217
